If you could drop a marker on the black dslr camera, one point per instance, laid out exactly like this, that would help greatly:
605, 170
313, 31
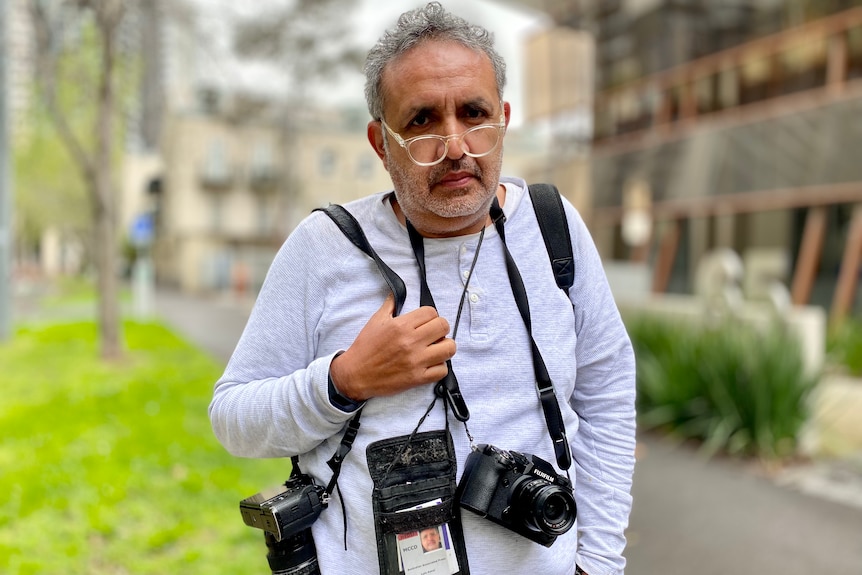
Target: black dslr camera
285, 514
520, 492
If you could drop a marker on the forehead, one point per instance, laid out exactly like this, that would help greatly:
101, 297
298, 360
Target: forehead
436, 74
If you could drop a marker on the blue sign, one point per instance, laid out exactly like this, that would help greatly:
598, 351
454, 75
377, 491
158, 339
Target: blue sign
143, 229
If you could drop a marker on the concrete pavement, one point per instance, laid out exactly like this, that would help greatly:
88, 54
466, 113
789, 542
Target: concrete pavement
690, 515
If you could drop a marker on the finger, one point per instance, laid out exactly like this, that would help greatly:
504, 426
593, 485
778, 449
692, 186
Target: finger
419, 316
440, 351
432, 330
436, 372
388, 307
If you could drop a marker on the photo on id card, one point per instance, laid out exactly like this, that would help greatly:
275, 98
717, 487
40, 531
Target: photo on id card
427, 551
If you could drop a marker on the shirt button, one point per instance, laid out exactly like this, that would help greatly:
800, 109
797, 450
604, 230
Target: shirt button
474, 297
466, 274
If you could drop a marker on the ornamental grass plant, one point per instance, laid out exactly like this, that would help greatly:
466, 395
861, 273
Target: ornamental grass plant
844, 346
113, 468
731, 387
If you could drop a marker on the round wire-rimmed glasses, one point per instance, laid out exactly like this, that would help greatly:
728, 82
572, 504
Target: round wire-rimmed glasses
430, 150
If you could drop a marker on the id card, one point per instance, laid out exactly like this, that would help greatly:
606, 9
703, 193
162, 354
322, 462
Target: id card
427, 551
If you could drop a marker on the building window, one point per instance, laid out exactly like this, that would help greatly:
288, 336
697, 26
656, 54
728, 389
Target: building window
262, 172
265, 215
216, 172
327, 162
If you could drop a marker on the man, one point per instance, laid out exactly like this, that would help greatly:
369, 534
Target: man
430, 539
322, 339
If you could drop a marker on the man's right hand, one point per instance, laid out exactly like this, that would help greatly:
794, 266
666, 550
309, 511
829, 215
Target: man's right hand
392, 354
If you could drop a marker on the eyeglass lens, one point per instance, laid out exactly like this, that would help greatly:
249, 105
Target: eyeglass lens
477, 141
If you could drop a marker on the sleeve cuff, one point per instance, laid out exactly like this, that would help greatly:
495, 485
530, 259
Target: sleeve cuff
340, 401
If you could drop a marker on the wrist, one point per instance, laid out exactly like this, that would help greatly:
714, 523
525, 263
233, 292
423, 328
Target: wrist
340, 401
336, 397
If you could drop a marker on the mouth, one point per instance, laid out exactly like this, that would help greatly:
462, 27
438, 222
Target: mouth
456, 179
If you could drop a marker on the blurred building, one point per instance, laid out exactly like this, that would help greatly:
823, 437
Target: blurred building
728, 124
225, 171
237, 176
558, 95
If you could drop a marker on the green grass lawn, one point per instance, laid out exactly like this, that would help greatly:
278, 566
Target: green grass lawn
113, 468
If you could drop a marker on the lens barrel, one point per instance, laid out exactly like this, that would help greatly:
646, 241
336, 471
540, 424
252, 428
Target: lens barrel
545, 507
294, 555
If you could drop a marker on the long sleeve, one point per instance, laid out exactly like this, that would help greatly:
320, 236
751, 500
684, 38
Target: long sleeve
273, 398
604, 399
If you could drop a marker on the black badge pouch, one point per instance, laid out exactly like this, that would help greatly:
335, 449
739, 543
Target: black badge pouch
414, 490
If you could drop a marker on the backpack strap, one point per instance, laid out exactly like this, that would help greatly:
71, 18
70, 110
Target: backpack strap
351, 228
555, 230
353, 231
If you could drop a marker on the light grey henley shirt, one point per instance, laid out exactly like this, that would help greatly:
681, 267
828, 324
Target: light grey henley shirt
272, 400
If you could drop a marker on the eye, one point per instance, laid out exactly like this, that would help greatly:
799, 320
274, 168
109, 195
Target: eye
475, 114
421, 120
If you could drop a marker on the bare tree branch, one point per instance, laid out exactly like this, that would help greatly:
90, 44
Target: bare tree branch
46, 70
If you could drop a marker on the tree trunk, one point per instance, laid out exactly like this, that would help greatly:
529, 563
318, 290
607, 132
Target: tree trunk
95, 164
110, 337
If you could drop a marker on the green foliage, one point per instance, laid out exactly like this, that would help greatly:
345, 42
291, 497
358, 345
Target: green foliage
48, 189
113, 468
844, 346
731, 387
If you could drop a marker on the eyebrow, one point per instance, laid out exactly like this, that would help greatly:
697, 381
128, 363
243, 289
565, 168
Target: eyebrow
482, 103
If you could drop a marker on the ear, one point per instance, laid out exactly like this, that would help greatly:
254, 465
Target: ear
507, 110
375, 138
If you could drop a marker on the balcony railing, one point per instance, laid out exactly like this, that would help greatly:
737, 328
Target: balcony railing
821, 55
264, 178
216, 176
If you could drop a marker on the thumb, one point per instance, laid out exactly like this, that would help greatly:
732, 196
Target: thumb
388, 307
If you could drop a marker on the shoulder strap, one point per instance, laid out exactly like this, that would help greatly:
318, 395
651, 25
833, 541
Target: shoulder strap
555, 230
351, 228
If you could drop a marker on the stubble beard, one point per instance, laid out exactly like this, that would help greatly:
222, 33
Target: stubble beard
413, 190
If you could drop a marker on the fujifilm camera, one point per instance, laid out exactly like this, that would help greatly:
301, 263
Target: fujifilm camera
286, 514
518, 491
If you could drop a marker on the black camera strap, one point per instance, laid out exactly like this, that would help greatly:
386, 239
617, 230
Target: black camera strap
447, 387
544, 385
551, 219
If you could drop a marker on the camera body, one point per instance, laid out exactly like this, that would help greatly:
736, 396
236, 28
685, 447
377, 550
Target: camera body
286, 514
521, 492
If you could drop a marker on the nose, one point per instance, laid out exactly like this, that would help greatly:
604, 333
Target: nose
454, 143
455, 149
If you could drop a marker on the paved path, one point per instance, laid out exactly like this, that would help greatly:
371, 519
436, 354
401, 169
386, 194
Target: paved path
213, 323
690, 516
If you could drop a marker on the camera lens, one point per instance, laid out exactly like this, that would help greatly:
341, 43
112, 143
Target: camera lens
544, 507
294, 555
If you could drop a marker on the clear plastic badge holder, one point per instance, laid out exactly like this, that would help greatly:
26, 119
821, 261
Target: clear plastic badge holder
414, 497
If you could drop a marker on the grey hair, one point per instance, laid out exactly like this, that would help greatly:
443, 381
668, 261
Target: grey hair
431, 22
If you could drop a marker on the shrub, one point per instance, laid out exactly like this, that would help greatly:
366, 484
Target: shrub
731, 387
844, 346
